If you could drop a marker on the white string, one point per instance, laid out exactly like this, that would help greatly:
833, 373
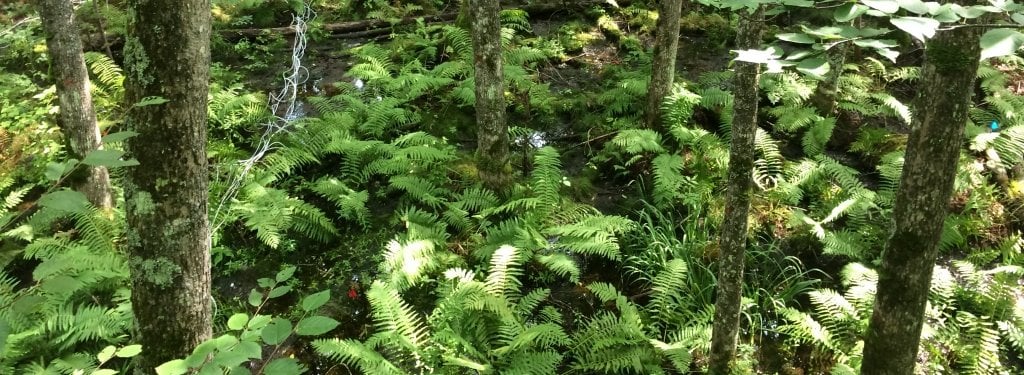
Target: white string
288, 97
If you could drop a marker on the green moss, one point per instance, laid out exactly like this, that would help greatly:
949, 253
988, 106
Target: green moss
143, 203
135, 60
160, 271
160, 183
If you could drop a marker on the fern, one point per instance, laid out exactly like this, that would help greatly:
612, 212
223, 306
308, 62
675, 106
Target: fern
477, 325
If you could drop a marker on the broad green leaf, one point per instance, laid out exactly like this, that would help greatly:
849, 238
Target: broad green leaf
815, 67
279, 291
239, 370
255, 298
285, 274
869, 32
250, 349
237, 354
119, 136
277, 331
913, 6
876, 43
918, 27
65, 200
210, 368
315, 325
797, 38
944, 14
848, 12
175, 367
283, 366
972, 12
108, 158
799, 55
314, 301
266, 282
888, 53
755, 56
106, 354
225, 341
885, 6
1000, 42
129, 351
1018, 18
237, 321
831, 32
151, 100
798, 3
54, 171
104, 371
259, 321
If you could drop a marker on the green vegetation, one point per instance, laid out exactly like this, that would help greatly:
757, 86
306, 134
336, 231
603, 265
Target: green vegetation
359, 238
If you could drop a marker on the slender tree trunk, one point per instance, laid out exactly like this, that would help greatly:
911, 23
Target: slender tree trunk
733, 240
940, 115
167, 55
663, 66
77, 117
492, 132
827, 91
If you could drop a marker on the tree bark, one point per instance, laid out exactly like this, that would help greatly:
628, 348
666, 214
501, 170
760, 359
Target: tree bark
77, 117
167, 54
933, 149
663, 65
733, 240
492, 131
827, 91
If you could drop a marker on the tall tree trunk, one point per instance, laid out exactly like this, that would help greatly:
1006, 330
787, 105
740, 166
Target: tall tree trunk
167, 55
77, 117
827, 91
733, 240
492, 132
940, 115
663, 66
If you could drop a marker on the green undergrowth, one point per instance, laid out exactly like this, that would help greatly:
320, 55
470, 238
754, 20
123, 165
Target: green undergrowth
388, 256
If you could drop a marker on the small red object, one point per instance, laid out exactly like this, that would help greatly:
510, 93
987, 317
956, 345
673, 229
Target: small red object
352, 294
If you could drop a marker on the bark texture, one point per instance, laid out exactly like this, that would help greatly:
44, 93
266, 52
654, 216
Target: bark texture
827, 92
77, 117
733, 239
940, 115
663, 65
492, 131
167, 54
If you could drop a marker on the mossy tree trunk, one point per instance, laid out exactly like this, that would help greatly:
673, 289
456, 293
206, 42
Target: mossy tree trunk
663, 65
492, 131
167, 55
826, 94
733, 238
77, 117
940, 114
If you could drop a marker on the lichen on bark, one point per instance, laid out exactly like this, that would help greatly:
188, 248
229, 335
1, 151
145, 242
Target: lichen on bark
919, 210
733, 237
77, 115
492, 131
168, 55
663, 64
